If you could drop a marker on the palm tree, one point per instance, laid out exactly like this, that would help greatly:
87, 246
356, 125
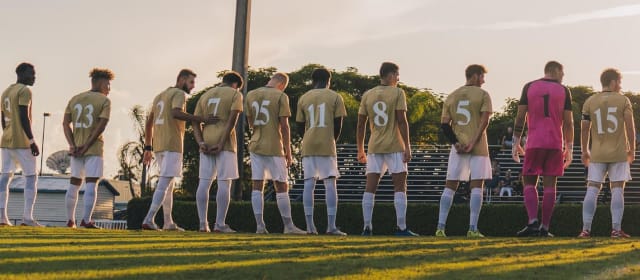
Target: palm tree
131, 153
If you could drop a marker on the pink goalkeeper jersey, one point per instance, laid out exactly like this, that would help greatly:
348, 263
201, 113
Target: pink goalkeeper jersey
547, 100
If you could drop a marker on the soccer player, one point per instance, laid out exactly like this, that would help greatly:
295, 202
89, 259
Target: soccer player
85, 118
217, 144
465, 117
546, 107
164, 136
270, 148
613, 136
385, 107
18, 145
320, 114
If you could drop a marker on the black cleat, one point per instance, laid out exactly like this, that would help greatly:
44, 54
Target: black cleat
545, 232
532, 229
367, 232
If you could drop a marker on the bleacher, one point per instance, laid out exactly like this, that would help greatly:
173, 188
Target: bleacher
427, 174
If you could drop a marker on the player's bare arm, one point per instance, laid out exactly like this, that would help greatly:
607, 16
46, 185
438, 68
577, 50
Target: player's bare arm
567, 131
518, 128
360, 130
403, 126
286, 138
95, 133
178, 114
337, 128
197, 134
68, 134
148, 136
25, 119
630, 127
585, 131
231, 123
484, 123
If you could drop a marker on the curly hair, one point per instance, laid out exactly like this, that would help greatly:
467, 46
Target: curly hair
101, 73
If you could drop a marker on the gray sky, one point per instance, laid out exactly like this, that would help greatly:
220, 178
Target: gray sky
147, 42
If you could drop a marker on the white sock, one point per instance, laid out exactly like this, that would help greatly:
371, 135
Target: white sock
400, 203
284, 205
30, 194
368, 200
475, 204
202, 201
331, 198
307, 201
90, 198
158, 197
4, 195
445, 204
223, 196
257, 202
167, 205
71, 201
617, 207
589, 207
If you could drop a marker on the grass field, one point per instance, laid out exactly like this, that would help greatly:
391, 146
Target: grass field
57, 253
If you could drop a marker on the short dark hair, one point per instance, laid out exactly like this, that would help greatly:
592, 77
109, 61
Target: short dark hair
608, 75
388, 67
23, 67
101, 73
474, 69
231, 77
320, 75
185, 73
552, 65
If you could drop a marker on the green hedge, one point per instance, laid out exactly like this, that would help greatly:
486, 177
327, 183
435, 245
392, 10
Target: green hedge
495, 220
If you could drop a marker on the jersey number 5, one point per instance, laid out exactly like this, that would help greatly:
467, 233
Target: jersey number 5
464, 112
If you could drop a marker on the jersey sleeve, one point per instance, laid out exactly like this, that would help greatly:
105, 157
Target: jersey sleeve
300, 112
523, 98
284, 110
567, 99
340, 111
362, 110
585, 107
486, 103
178, 101
236, 104
106, 110
68, 109
199, 111
24, 97
628, 108
445, 108
401, 105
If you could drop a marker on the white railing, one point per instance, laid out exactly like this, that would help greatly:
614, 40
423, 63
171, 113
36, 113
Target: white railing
111, 224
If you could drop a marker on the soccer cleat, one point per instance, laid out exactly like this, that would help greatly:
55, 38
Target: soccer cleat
619, 234
6, 224
31, 223
150, 226
312, 232
367, 232
223, 229
294, 230
474, 234
584, 234
336, 232
172, 227
261, 230
440, 233
90, 225
543, 232
405, 232
532, 229
204, 230
71, 224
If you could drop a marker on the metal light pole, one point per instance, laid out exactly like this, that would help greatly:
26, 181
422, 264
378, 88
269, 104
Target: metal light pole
240, 65
44, 125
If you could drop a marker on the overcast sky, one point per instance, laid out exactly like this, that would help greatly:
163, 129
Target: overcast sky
147, 42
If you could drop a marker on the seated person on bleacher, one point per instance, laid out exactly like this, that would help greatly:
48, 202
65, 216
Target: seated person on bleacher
507, 185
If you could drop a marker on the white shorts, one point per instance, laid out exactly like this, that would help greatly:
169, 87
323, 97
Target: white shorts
223, 166
320, 167
12, 158
617, 171
461, 167
169, 163
380, 163
87, 167
268, 168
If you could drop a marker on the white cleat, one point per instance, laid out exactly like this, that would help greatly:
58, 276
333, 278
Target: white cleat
150, 226
223, 229
172, 227
336, 232
261, 230
294, 230
31, 223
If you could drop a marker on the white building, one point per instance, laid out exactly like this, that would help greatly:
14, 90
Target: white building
50, 206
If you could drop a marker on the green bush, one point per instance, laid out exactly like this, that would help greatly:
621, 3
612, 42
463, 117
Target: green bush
495, 219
